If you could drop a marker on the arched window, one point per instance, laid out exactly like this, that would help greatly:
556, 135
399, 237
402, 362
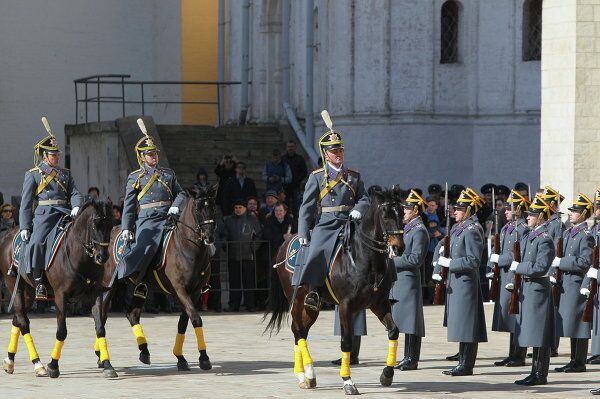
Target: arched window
449, 31
532, 30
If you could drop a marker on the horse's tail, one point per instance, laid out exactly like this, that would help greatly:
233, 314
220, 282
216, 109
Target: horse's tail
277, 304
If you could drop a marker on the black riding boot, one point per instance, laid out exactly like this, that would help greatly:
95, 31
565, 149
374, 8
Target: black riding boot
572, 360
511, 352
40, 288
406, 351
353, 353
542, 363
413, 354
581, 347
467, 355
518, 360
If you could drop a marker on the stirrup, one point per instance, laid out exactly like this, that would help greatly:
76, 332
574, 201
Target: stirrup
140, 291
312, 301
40, 292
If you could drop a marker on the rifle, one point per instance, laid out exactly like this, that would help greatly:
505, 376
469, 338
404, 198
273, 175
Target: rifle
513, 307
593, 287
495, 268
559, 254
440, 287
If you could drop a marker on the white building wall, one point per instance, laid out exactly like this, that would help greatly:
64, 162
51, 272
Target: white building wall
50, 43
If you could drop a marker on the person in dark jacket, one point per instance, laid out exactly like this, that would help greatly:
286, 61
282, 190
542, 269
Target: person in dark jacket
293, 189
242, 228
7, 220
224, 170
239, 186
276, 172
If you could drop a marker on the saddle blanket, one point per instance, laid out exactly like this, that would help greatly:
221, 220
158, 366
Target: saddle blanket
18, 246
120, 244
296, 254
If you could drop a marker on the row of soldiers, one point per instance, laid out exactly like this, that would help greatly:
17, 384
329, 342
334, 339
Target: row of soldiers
550, 257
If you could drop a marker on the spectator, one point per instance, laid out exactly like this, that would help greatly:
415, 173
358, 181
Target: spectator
242, 228
7, 220
279, 226
239, 186
224, 170
281, 197
93, 193
253, 207
276, 173
267, 208
297, 164
116, 215
201, 179
523, 189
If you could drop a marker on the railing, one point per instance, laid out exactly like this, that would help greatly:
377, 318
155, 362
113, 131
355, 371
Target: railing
96, 83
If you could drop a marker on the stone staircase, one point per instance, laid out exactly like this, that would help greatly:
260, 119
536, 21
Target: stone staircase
189, 147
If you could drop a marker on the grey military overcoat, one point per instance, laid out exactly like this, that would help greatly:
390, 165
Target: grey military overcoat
350, 192
43, 221
408, 311
578, 243
502, 320
595, 326
359, 323
535, 321
150, 220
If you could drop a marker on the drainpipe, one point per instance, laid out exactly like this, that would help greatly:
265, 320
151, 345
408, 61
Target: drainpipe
221, 60
285, 49
308, 106
245, 60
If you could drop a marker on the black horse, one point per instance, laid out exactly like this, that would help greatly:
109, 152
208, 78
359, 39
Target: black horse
185, 274
76, 274
360, 279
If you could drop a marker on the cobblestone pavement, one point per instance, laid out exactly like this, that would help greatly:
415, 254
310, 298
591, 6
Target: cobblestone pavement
248, 364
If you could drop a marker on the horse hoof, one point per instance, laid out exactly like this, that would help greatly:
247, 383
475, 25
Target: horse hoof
182, 365
350, 388
110, 373
52, 372
9, 366
387, 376
205, 364
145, 357
308, 383
100, 364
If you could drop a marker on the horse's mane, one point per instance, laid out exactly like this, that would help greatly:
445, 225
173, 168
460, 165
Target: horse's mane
98, 205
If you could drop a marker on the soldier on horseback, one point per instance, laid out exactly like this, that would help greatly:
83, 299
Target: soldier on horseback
332, 194
53, 190
158, 194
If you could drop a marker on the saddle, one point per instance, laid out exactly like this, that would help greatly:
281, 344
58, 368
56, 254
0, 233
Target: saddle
296, 258
18, 245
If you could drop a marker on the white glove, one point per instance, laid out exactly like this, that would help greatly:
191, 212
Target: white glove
585, 292
173, 211
441, 251
355, 215
303, 241
552, 280
436, 277
513, 266
509, 286
556, 262
444, 262
25, 235
74, 211
435, 264
127, 235
489, 275
494, 258
592, 273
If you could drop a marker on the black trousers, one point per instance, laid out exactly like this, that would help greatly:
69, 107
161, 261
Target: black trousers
214, 295
241, 275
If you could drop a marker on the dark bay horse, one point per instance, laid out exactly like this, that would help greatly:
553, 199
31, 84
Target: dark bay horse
185, 274
361, 279
76, 274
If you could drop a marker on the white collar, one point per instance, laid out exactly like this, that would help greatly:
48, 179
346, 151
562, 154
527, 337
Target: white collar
333, 167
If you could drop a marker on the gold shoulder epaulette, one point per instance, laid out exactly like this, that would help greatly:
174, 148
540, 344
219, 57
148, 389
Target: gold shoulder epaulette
34, 169
314, 172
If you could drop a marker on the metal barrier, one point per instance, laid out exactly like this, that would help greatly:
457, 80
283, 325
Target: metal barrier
98, 81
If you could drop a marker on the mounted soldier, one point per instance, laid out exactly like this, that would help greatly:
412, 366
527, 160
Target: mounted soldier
332, 194
49, 193
158, 194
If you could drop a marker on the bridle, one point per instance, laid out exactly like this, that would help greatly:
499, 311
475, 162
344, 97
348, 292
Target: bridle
371, 242
201, 236
89, 246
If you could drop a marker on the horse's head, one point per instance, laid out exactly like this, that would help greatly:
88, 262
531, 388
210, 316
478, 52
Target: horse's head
96, 217
388, 214
203, 200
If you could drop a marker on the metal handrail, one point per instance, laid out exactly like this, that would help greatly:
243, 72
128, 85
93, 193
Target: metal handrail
120, 79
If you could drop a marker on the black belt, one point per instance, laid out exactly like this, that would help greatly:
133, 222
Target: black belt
580, 274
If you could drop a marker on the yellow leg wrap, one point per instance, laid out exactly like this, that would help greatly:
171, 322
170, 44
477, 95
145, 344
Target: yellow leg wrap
200, 338
392, 349
298, 366
13, 345
33, 354
345, 368
96, 345
58, 345
306, 359
178, 347
139, 334
103, 349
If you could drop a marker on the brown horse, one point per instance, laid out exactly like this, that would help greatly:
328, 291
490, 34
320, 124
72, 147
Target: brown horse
76, 274
185, 274
360, 279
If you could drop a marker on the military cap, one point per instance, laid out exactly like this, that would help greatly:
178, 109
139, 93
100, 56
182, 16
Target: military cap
520, 203
487, 188
539, 205
469, 198
581, 204
418, 190
597, 197
145, 144
550, 195
455, 190
520, 186
331, 139
502, 190
434, 189
414, 200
